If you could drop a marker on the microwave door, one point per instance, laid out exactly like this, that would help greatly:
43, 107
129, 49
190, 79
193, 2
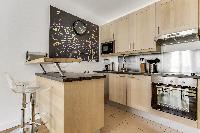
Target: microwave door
105, 48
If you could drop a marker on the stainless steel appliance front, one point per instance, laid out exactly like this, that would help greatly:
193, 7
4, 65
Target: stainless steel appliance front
108, 47
174, 95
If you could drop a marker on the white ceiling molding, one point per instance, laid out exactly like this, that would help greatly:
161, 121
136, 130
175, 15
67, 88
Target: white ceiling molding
100, 11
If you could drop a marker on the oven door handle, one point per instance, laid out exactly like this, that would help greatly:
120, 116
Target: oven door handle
189, 96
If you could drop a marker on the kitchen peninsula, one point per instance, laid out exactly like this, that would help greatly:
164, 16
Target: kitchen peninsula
75, 103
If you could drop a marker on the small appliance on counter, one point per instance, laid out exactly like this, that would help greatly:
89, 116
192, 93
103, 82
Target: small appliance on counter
143, 65
107, 65
153, 65
108, 47
34, 55
112, 68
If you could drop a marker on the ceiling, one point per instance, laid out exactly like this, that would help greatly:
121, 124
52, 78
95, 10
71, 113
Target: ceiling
100, 11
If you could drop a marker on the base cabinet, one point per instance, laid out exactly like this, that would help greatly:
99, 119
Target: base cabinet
139, 92
131, 90
117, 88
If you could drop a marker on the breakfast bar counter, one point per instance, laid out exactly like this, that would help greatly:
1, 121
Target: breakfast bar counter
74, 103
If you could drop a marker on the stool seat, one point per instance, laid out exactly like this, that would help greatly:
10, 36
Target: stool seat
21, 87
25, 88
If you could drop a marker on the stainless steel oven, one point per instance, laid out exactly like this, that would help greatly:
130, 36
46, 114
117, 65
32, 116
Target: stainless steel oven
177, 96
108, 47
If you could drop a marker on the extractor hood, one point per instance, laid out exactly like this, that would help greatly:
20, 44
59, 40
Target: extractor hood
178, 37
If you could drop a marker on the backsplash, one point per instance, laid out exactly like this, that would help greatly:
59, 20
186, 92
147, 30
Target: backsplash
133, 62
184, 62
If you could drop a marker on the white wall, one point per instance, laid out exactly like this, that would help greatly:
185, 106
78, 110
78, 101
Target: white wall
24, 26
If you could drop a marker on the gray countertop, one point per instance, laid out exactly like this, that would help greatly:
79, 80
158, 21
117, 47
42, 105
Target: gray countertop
148, 74
70, 77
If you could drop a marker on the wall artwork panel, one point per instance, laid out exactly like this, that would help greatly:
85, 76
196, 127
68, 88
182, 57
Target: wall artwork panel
65, 42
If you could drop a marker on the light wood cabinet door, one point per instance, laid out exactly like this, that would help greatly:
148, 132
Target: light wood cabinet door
186, 15
176, 15
104, 33
145, 28
112, 87
131, 91
139, 92
117, 88
121, 35
164, 16
132, 31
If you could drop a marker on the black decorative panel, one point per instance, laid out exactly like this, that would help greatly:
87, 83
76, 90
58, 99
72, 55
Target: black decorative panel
72, 37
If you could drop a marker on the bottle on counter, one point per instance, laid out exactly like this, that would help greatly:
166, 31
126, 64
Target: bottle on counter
143, 65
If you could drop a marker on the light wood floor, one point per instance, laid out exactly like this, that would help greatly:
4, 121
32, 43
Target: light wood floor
119, 121
42, 129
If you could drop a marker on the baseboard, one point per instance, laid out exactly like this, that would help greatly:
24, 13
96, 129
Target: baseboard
8, 125
168, 123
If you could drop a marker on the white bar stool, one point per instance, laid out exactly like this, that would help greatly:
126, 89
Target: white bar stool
25, 88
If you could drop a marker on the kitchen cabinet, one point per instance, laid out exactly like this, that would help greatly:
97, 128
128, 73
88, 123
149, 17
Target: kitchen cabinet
117, 88
176, 15
145, 29
132, 31
164, 16
121, 34
186, 14
105, 33
139, 92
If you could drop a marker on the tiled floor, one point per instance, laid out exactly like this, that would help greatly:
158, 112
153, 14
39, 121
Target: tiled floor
118, 121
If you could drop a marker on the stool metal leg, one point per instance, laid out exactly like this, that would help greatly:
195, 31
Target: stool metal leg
23, 112
32, 100
22, 128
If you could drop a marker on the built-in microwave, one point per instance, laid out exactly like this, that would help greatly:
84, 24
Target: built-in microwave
108, 47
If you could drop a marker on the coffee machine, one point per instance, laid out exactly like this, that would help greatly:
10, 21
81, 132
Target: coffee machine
109, 66
153, 65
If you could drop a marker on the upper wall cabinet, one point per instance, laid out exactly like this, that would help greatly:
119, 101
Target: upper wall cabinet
105, 34
176, 15
145, 29
132, 31
121, 34
164, 16
186, 14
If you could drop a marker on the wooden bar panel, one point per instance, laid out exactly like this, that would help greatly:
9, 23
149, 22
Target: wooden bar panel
74, 107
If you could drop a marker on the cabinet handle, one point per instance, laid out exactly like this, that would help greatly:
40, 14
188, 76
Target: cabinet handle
113, 36
121, 76
130, 46
158, 30
133, 45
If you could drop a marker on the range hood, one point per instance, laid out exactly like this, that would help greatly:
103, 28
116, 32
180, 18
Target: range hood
178, 37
